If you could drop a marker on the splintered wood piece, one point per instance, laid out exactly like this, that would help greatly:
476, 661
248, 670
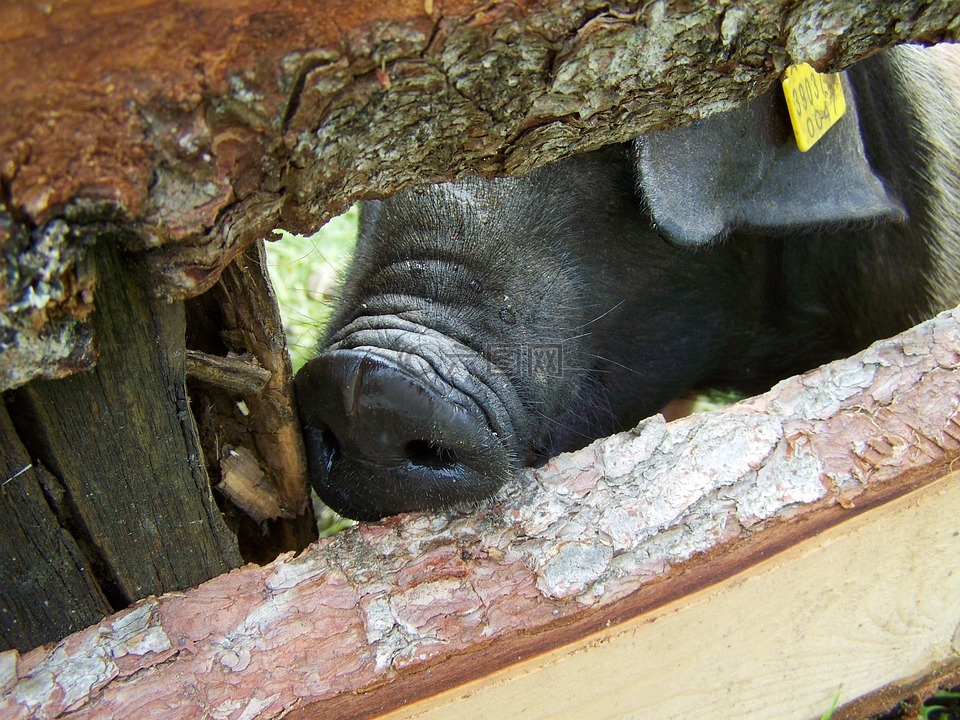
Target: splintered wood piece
248, 412
243, 481
122, 442
252, 324
235, 374
47, 590
717, 565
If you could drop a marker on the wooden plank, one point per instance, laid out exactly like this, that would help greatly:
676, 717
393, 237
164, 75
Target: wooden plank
384, 615
122, 442
267, 77
859, 606
47, 590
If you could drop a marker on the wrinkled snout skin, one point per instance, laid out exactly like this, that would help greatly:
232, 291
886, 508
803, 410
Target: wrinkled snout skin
487, 324
491, 304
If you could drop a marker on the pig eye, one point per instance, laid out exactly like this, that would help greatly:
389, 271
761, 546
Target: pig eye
429, 455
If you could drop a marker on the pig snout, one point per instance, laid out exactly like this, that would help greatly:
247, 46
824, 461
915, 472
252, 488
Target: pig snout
382, 437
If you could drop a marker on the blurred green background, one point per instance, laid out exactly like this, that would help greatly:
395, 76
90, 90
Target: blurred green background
306, 271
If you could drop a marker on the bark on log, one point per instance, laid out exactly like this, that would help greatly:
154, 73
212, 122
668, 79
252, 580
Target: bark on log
385, 614
197, 129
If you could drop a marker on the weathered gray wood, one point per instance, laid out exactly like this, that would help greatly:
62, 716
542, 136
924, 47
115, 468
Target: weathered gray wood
47, 589
123, 444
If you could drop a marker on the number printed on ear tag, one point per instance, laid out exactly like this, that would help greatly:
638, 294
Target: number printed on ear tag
815, 102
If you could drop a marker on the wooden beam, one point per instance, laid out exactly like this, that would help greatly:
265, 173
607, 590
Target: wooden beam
197, 129
856, 607
702, 519
47, 589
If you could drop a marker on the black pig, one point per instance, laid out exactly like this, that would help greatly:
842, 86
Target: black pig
488, 323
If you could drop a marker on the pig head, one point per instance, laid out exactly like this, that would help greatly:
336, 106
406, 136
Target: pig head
486, 324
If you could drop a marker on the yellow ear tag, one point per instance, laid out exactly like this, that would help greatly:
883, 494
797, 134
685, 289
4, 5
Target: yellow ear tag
815, 102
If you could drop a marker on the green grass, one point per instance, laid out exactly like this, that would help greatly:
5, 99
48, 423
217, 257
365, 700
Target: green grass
713, 399
306, 271
945, 705
832, 709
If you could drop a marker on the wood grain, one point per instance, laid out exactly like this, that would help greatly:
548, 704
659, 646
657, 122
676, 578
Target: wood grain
123, 447
47, 589
861, 605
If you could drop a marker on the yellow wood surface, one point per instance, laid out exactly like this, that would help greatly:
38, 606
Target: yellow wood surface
870, 601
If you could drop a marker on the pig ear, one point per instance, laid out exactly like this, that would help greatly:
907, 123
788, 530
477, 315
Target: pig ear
742, 170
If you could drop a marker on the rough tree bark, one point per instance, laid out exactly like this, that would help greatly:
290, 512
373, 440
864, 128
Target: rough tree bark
199, 128
384, 614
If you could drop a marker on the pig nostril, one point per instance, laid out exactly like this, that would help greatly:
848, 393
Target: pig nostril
380, 439
330, 440
429, 455
328, 450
